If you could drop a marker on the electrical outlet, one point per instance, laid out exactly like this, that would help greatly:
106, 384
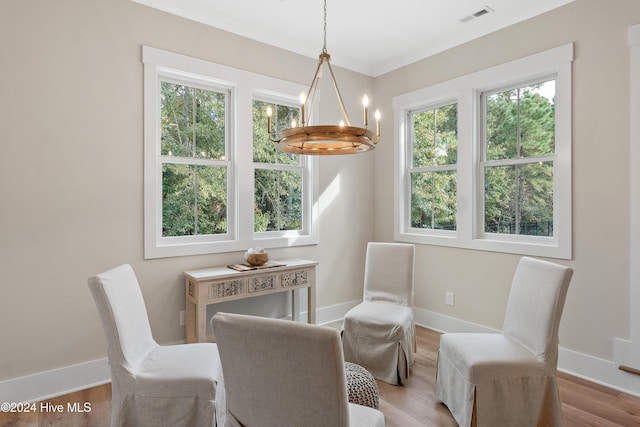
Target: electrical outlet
450, 298
182, 318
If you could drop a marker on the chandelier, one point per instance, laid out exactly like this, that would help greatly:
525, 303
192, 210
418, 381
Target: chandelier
343, 138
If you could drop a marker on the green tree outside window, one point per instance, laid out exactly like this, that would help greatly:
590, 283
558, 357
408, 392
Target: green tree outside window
194, 170
433, 175
278, 176
518, 166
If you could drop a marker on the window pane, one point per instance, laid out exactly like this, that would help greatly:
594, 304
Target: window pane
433, 200
278, 200
521, 122
264, 150
192, 122
435, 136
194, 200
519, 199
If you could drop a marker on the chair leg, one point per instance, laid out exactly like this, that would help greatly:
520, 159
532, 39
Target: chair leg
474, 419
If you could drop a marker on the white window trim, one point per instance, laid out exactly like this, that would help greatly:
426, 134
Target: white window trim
466, 90
633, 35
244, 86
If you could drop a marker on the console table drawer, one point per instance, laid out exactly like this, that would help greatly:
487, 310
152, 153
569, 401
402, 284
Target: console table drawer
294, 278
262, 283
224, 289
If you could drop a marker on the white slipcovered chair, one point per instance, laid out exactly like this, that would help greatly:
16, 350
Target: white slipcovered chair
154, 385
282, 373
509, 378
379, 333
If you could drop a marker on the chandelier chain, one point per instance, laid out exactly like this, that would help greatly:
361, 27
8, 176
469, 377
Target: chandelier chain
324, 46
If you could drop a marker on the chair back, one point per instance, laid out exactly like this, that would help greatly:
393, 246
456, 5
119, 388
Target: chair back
388, 274
535, 305
124, 317
279, 372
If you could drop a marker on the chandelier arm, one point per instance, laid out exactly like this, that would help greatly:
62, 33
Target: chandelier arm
314, 81
335, 86
312, 100
313, 87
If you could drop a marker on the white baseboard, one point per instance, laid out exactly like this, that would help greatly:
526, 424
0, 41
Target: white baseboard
56, 382
48, 384
334, 313
600, 371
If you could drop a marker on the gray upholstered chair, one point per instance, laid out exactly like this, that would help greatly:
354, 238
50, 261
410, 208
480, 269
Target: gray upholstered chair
154, 385
509, 378
282, 373
379, 333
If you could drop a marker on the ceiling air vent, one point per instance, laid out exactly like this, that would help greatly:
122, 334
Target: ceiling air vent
477, 14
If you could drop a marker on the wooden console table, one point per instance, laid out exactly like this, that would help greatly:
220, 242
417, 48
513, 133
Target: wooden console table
220, 284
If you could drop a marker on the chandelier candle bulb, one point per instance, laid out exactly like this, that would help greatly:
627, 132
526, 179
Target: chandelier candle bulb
365, 104
377, 123
303, 100
269, 123
293, 123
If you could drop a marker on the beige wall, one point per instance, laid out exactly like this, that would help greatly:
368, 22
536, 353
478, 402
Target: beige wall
597, 307
71, 181
71, 175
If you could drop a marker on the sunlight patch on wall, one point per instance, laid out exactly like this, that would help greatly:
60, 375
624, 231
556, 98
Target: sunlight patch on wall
328, 195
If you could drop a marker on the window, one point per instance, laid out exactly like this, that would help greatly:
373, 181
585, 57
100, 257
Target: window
279, 177
484, 160
434, 155
205, 147
195, 165
519, 153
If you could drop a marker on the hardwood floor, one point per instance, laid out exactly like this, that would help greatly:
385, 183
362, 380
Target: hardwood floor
414, 404
72, 413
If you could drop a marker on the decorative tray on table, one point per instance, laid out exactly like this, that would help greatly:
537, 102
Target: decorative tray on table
247, 266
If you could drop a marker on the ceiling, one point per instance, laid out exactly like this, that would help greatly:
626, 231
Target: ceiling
370, 37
